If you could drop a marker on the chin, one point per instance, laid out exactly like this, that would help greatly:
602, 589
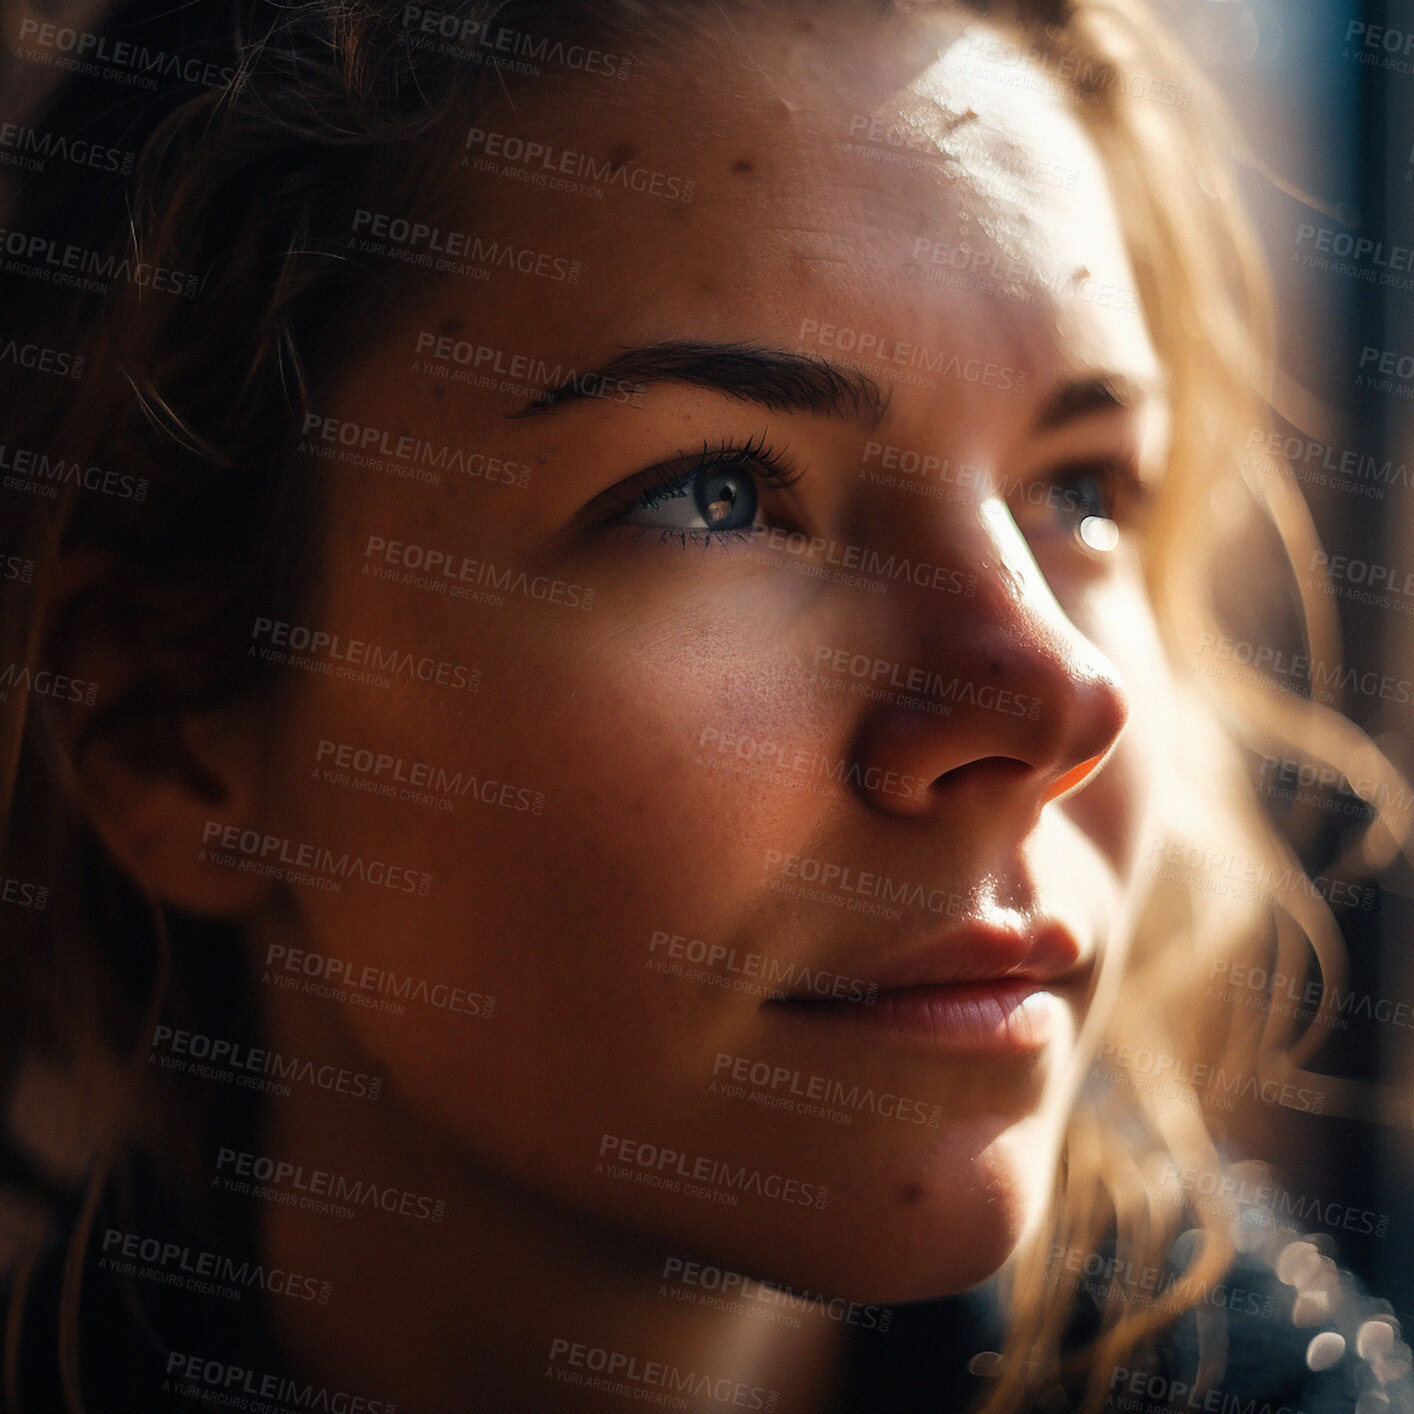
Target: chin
921, 1235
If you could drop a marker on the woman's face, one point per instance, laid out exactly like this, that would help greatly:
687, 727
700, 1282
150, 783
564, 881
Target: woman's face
784, 656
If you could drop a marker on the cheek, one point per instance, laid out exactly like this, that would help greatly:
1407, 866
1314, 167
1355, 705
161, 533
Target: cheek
598, 807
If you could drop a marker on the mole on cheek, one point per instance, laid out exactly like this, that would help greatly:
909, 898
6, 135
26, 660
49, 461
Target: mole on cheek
624, 152
744, 165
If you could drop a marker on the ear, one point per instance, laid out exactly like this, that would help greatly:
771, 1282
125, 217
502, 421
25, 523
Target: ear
160, 788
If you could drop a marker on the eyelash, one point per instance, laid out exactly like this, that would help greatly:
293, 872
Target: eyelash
1130, 495
772, 466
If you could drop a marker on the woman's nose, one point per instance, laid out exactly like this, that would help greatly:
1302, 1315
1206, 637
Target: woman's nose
1010, 696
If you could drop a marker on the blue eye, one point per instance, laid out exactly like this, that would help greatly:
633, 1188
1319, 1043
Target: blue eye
1096, 510
718, 494
1097, 502
713, 495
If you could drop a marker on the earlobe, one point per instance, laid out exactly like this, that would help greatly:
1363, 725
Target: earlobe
152, 781
156, 790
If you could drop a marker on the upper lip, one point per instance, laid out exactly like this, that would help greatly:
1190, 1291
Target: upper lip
1042, 950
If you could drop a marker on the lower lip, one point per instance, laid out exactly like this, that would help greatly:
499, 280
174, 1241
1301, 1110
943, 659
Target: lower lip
1006, 1017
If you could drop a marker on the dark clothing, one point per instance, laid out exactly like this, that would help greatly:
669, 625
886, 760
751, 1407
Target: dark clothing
153, 1301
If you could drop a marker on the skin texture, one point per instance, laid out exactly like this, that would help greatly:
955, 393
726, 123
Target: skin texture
802, 217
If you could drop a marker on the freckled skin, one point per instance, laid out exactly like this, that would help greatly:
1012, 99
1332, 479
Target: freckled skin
605, 711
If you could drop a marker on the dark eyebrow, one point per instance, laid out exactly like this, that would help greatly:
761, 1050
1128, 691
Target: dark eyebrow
1101, 392
774, 378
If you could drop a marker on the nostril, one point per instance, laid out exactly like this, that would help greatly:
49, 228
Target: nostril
1072, 778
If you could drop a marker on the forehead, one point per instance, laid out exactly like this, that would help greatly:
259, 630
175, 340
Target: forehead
811, 182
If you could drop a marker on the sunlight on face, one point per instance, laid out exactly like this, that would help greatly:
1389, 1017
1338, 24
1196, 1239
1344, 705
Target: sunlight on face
821, 587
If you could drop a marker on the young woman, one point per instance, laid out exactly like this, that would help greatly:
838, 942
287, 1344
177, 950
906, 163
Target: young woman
612, 689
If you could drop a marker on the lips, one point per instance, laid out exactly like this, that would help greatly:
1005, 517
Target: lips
974, 951
981, 988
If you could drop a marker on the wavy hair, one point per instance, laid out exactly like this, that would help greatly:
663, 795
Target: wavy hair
240, 190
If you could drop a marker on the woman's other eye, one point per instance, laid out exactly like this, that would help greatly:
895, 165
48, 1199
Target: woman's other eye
1095, 503
711, 496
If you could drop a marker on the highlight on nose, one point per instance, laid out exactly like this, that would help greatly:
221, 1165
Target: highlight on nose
1072, 778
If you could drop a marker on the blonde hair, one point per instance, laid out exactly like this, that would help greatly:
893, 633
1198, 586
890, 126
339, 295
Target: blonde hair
234, 184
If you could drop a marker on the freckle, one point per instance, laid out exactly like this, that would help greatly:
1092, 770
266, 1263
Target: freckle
744, 165
624, 152
450, 325
996, 667
438, 392
910, 1194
